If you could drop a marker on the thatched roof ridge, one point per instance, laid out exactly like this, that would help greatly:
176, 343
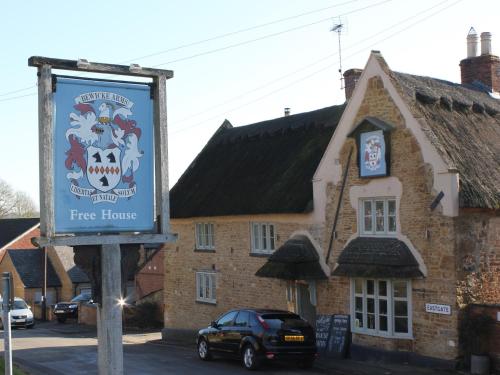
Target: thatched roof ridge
463, 123
262, 168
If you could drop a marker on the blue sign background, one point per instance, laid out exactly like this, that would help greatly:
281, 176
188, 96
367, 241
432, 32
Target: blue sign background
103, 155
372, 154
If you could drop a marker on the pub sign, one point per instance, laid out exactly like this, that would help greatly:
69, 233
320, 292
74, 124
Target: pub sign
372, 154
103, 155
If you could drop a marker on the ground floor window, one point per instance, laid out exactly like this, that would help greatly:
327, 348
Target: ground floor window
381, 307
205, 287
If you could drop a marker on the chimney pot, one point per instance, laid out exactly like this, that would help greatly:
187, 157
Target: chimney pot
351, 78
486, 43
287, 111
485, 68
472, 42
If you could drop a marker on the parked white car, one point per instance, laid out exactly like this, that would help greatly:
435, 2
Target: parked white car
20, 315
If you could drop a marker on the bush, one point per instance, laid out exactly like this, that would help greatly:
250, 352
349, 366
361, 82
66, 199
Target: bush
143, 315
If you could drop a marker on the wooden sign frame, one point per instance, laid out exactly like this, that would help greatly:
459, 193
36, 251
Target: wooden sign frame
159, 77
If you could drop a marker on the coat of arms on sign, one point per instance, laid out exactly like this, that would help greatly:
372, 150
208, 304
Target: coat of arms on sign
372, 154
103, 147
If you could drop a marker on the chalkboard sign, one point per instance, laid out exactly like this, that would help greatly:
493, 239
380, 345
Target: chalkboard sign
323, 326
339, 338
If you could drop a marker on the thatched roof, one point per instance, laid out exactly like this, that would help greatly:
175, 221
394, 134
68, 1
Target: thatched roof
463, 123
377, 257
261, 168
296, 259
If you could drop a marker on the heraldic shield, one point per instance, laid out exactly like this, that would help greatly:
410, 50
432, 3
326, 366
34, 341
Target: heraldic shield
103, 167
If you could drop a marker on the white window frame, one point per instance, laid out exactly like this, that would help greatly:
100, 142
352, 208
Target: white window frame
206, 285
390, 308
263, 237
205, 236
373, 203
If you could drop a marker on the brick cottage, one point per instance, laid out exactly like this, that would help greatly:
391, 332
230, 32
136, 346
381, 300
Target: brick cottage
385, 209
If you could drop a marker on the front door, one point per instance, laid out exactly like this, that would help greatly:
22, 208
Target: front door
304, 306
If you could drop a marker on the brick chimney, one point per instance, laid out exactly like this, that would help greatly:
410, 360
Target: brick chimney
485, 67
351, 77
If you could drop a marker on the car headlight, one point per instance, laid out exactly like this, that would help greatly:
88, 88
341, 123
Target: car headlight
55, 306
73, 306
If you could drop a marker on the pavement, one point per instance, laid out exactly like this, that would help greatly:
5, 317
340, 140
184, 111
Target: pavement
324, 364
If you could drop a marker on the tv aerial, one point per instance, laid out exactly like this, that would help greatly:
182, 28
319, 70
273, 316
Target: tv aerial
337, 28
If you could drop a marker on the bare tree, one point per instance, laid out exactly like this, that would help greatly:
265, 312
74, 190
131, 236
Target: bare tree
25, 206
15, 203
7, 199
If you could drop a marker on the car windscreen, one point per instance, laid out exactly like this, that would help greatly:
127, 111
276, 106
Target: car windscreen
19, 305
81, 297
282, 321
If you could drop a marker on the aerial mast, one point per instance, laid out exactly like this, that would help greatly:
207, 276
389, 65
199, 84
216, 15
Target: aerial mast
337, 28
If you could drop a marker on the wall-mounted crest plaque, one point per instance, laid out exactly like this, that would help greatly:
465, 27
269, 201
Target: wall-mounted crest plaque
372, 154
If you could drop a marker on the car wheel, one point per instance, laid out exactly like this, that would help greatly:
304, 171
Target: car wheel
249, 358
306, 363
30, 326
203, 350
61, 319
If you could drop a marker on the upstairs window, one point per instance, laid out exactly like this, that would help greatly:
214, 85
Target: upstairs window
263, 238
378, 216
205, 236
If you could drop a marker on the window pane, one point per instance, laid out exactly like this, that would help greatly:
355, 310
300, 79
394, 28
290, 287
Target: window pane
370, 287
392, 207
264, 237
368, 216
213, 286
211, 236
401, 325
359, 320
199, 285
271, 236
204, 236
400, 308
198, 235
207, 286
379, 212
368, 208
392, 223
382, 288
382, 306
399, 289
370, 305
358, 286
256, 236
370, 321
358, 304
383, 323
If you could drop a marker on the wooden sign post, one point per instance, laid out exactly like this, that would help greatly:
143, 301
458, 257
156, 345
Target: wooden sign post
103, 173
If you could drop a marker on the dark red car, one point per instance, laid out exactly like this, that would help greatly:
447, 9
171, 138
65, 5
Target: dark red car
255, 335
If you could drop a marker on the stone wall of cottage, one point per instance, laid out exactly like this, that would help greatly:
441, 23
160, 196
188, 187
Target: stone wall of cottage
431, 233
478, 257
235, 267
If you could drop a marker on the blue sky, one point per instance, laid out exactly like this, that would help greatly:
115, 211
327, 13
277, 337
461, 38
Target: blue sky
274, 54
